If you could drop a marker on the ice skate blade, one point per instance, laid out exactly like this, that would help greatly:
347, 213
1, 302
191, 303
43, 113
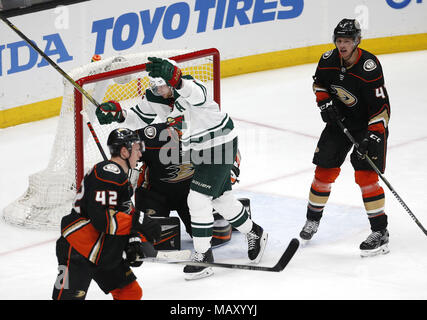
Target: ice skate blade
207, 272
371, 253
263, 243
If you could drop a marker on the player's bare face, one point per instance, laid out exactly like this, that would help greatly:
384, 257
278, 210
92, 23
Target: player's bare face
135, 155
164, 91
345, 47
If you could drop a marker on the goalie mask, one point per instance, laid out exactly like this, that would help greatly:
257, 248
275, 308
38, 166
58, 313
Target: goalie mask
123, 137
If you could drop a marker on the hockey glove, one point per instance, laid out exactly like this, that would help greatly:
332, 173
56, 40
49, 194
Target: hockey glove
329, 111
134, 250
370, 144
165, 69
235, 170
149, 227
109, 112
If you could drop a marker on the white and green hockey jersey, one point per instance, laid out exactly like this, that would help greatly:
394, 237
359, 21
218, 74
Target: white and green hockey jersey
192, 111
198, 116
149, 109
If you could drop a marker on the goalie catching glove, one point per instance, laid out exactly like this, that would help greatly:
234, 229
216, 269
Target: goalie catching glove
147, 226
109, 112
166, 69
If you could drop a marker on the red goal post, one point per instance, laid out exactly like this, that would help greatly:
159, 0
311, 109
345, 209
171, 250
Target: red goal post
212, 53
51, 192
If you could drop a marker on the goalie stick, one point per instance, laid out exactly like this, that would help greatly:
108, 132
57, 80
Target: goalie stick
279, 266
372, 164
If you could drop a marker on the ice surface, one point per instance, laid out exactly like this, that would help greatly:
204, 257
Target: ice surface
278, 124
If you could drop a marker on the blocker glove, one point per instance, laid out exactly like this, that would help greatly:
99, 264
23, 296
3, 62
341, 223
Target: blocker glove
148, 227
109, 112
371, 142
329, 111
165, 69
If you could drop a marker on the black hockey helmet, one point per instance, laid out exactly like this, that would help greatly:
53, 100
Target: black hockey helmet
348, 28
122, 137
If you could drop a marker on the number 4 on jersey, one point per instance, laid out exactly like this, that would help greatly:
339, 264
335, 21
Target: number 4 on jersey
379, 92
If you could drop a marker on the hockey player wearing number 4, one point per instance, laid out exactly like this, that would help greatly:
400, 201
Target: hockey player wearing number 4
349, 87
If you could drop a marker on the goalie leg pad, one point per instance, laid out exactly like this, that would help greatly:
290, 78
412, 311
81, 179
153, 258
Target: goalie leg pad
222, 231
170, 237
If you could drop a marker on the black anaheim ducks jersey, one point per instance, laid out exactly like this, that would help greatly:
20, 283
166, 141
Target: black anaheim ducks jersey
359, 89
99, 224
164, 168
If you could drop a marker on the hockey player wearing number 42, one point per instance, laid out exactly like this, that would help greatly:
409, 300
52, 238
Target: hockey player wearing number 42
103, 224
349, 87
208, 134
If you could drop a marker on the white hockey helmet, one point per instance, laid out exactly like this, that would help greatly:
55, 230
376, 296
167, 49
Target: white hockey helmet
155, 83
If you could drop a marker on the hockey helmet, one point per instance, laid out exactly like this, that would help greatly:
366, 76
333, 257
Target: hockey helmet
348, 28
123, 137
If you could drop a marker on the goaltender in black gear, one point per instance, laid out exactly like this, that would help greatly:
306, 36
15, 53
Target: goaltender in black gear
102, 226
164, 183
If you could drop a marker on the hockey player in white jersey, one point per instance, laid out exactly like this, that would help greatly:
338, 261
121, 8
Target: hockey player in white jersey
209, 136
153, 107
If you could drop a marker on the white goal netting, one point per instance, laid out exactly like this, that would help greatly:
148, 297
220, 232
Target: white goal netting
51, 192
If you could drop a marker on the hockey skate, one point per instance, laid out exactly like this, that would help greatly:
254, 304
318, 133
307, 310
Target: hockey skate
376, 243
309, 229
196, 272
257, 240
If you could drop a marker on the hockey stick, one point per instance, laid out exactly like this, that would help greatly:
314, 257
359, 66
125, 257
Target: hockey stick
94, 136
279, 266
65, 75
372, 164
53, 64
74, 84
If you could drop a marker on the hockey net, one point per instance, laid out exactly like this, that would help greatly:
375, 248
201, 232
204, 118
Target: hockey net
51, 192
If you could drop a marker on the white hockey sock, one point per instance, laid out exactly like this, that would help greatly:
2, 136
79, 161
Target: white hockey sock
202, 220
233, 210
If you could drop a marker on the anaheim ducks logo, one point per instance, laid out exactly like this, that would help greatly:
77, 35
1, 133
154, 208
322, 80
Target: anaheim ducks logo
344, 96
179, 172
